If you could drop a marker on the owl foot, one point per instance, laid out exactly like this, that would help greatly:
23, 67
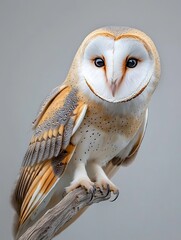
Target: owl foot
84, 183
106, 184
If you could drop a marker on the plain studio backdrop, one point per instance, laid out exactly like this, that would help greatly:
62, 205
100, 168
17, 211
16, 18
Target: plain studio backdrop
37, 44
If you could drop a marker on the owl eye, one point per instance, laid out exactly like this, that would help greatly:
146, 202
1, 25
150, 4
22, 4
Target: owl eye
131, 63
99, 62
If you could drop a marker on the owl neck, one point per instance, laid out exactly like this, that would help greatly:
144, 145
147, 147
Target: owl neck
133, 108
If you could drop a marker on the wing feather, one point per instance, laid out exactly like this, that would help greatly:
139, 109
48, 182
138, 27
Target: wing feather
131, 151
35, 192
41, 150
52, 147
58, 144
46, 103
49, 151
58, 120
46, 175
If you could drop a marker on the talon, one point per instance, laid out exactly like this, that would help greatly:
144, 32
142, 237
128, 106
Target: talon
117, 195
106, 187
108, 190
101, 191
94, 189
92, 192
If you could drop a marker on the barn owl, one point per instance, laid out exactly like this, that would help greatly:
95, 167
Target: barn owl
90, 125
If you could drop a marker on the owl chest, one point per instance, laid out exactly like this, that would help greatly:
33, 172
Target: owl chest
99, 141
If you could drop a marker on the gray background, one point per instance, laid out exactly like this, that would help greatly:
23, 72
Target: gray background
37, 43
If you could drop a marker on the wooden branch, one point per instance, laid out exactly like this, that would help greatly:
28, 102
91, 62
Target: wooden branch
55, 219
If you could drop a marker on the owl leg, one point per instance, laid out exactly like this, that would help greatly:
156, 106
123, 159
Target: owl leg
101, 180
81, 179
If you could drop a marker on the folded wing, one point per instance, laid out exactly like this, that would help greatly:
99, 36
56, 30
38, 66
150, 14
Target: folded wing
49, 151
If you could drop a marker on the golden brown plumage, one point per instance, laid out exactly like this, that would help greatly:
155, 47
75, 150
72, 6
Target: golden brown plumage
92, 124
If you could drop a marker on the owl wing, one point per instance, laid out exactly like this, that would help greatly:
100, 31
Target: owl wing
56, 122
129, 153
49, 151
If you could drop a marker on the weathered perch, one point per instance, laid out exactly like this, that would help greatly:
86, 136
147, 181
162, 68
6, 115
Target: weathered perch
55, 219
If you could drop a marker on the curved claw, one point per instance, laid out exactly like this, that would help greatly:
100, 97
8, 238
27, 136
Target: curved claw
108, 190
92, 192
117, 195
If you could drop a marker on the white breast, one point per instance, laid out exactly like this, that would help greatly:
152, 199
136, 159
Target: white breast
96, 144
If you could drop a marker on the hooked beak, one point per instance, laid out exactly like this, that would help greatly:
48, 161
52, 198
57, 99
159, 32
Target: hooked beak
113, 87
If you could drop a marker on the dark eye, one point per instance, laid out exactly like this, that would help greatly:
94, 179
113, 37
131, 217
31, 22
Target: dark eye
99, 62
131, 63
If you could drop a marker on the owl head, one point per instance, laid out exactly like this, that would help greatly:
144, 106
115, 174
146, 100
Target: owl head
117, 64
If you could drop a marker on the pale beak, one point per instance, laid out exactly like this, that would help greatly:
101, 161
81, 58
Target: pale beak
113, 88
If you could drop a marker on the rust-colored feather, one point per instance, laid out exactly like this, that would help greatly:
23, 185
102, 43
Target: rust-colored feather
41, 180
49, 151
55, 125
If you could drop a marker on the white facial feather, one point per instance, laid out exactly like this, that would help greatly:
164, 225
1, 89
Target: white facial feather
131, 82
101, 47
135, 79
